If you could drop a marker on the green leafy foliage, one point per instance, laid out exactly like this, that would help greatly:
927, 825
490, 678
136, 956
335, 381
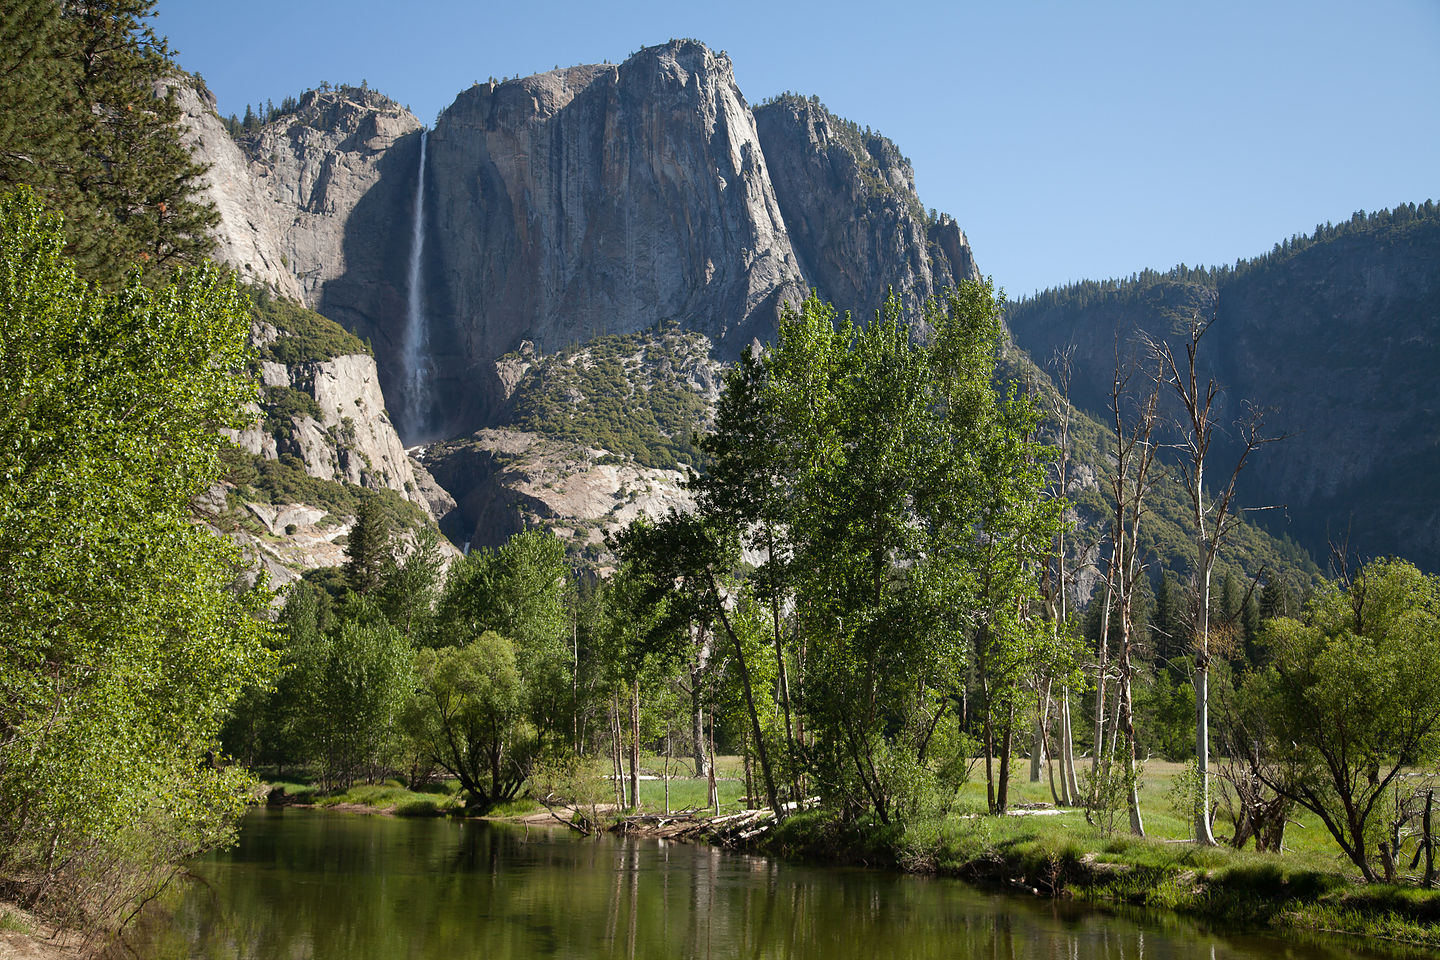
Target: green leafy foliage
352, 682
367, 552
123, 644
467, 716
896, 501
520, 592
1350, 701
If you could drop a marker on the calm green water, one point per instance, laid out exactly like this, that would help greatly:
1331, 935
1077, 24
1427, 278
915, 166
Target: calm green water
303, 884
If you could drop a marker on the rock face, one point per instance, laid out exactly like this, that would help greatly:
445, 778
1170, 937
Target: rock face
326, 416
352, 441
600, 199
248, 237
587, 201
581, 202
1336, 339
556, 210
513, 480
852, 213
288, 195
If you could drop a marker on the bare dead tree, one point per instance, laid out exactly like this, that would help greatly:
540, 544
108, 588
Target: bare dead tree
1130, 481
1055, 591
1213, 518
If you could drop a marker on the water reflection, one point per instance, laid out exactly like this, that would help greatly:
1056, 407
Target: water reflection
316, 886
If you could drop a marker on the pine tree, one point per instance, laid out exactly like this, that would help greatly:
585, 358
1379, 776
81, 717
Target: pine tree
137, 182
88, 119
368, 550
38, 144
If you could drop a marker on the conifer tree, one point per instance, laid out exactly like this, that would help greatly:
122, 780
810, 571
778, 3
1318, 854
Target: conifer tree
38, 142
368, 550
89, 120
137, 181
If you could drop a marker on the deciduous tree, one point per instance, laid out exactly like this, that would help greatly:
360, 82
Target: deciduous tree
122, 646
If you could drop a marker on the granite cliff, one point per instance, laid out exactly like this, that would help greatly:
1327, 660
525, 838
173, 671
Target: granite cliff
321, 439
850, 206
586, 201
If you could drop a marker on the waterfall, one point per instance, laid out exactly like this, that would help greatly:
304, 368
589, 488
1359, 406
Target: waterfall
415, 350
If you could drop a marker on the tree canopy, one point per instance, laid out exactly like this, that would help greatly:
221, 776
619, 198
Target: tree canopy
124, 644
89, 119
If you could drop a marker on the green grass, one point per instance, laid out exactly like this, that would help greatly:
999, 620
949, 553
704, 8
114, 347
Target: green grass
14, 923
689, 793
519, 807
1308, 887
393, 796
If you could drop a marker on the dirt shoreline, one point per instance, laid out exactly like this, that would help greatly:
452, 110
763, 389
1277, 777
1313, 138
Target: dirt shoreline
39, 941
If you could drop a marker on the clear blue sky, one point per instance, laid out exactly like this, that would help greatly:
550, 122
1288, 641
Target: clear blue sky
1071, 140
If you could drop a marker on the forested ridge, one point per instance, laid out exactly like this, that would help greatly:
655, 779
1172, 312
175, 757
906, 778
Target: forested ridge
1387, 224
1333, 335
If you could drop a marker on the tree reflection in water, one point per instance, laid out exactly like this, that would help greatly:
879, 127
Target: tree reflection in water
306, 884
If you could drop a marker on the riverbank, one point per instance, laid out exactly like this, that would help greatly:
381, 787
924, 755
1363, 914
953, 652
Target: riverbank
1050, 858
24, 936
1045, 853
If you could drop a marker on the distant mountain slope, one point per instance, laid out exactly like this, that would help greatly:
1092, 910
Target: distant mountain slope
1336, 335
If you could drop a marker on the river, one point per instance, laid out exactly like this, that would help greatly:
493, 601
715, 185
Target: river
307, 885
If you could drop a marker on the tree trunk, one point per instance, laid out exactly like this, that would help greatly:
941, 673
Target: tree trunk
745, 763
782, 673
635, 747
1102, 658
1037, 748
697, 724
1127, 721
1429, 841
617, 749
989, 741
1067, 748
714, 787
1203, 833
1003, 793
770, 795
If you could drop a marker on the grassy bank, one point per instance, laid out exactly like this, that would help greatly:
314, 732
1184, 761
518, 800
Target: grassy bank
1048, 857
390, 797
1308, 887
